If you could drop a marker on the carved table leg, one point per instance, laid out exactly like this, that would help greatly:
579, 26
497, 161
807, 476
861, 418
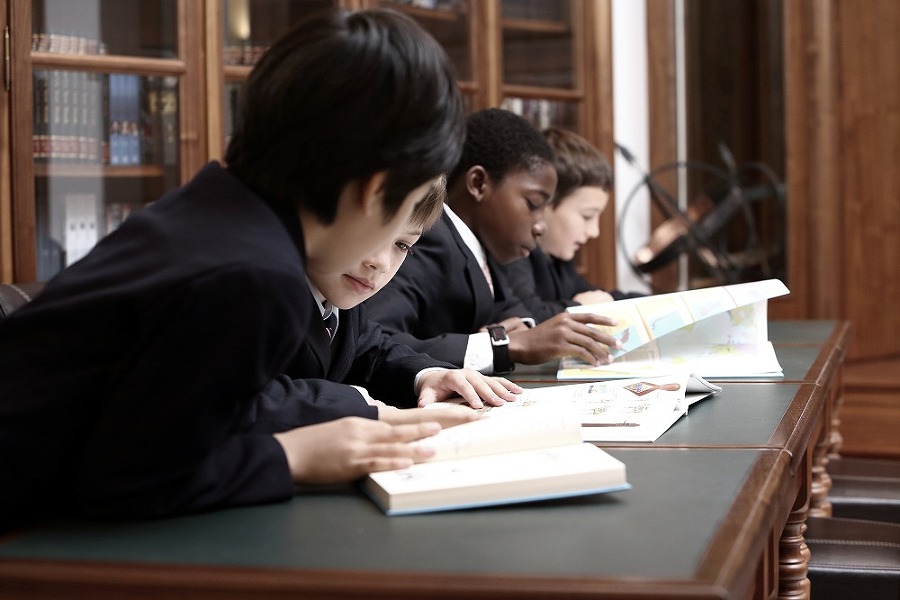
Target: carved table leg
793, 553
793, 561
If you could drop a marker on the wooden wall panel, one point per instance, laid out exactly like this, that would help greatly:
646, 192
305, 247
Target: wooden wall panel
598, 257
662, 107
869, 155
6, 265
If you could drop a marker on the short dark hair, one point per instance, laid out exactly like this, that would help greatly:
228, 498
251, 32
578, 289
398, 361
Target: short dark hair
502, 142
344, 95
578, 163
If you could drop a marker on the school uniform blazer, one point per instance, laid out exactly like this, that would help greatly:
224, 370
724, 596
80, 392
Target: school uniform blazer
546, 285
361, 354
128, 384
440, 296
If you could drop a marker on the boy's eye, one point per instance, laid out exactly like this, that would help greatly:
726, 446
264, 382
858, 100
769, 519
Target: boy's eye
536, 205
404, 247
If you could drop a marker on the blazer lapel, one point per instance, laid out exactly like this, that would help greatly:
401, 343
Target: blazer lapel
482, 298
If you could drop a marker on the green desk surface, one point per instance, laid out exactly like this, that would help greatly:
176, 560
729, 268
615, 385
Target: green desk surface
676, 523
804, 331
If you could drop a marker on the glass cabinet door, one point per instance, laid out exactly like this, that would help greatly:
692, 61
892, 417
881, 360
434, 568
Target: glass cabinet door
539, 64
105, 131
449, 22
249, 28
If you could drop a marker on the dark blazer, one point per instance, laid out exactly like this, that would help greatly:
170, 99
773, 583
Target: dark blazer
546, 285
129, 384
361, 354
439, 296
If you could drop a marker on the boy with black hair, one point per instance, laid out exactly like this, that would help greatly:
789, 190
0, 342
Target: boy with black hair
548, 280
133, 382
357, 353
451, 299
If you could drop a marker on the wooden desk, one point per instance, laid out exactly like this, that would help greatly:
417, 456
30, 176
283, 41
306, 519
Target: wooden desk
696, 524
796, 413
717, 510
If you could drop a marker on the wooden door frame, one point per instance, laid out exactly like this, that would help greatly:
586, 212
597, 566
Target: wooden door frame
811, 88
21, 130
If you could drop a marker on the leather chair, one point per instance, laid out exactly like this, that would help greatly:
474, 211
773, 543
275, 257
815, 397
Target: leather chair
865, 489
14, 295
851, 558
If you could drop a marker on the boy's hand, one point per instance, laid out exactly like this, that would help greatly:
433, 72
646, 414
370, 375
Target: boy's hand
593, 297
349, 448
445, 416
475, 388
564, 334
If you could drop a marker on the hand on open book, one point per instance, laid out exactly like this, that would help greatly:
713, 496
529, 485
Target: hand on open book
349, 448
475, 388
593, 297
563, 335
456, 415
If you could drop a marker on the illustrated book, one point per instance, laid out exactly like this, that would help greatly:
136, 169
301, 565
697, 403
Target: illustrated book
714, 332
521, 457
617, 410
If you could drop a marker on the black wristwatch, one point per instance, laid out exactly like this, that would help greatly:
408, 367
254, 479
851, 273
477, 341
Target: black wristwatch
500, 345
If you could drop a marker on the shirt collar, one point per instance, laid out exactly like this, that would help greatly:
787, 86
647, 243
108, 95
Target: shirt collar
468, 236
325, 307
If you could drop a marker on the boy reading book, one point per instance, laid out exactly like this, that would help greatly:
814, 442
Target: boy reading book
548, 280
450, 299
130, 385
354, 350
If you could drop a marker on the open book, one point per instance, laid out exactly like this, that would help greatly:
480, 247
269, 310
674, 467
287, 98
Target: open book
527, 456
618, 410
714, 332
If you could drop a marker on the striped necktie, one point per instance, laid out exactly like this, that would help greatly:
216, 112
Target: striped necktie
487, 275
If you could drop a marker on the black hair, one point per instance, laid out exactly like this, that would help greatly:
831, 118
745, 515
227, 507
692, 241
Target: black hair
578, 163
501, 142
340, 97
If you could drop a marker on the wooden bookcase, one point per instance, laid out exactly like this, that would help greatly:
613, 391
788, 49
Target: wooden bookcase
546, 60
105, 102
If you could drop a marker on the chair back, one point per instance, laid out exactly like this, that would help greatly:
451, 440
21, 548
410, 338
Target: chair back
14, 295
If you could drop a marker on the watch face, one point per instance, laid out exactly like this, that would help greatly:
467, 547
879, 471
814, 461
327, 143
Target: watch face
498, 334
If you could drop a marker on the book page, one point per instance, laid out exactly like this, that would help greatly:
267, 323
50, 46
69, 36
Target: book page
708, 360
519, 431
619, 410
730, 344
642, 320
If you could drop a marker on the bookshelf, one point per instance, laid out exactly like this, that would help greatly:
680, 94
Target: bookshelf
104, 99
546, 60
154, 85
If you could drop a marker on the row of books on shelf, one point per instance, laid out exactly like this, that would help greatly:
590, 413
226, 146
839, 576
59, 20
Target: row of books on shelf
66, 43
112, 119
542, 113
73, 223
243, 54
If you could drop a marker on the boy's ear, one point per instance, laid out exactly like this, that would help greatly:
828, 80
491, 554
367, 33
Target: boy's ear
371, 193
476, 182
